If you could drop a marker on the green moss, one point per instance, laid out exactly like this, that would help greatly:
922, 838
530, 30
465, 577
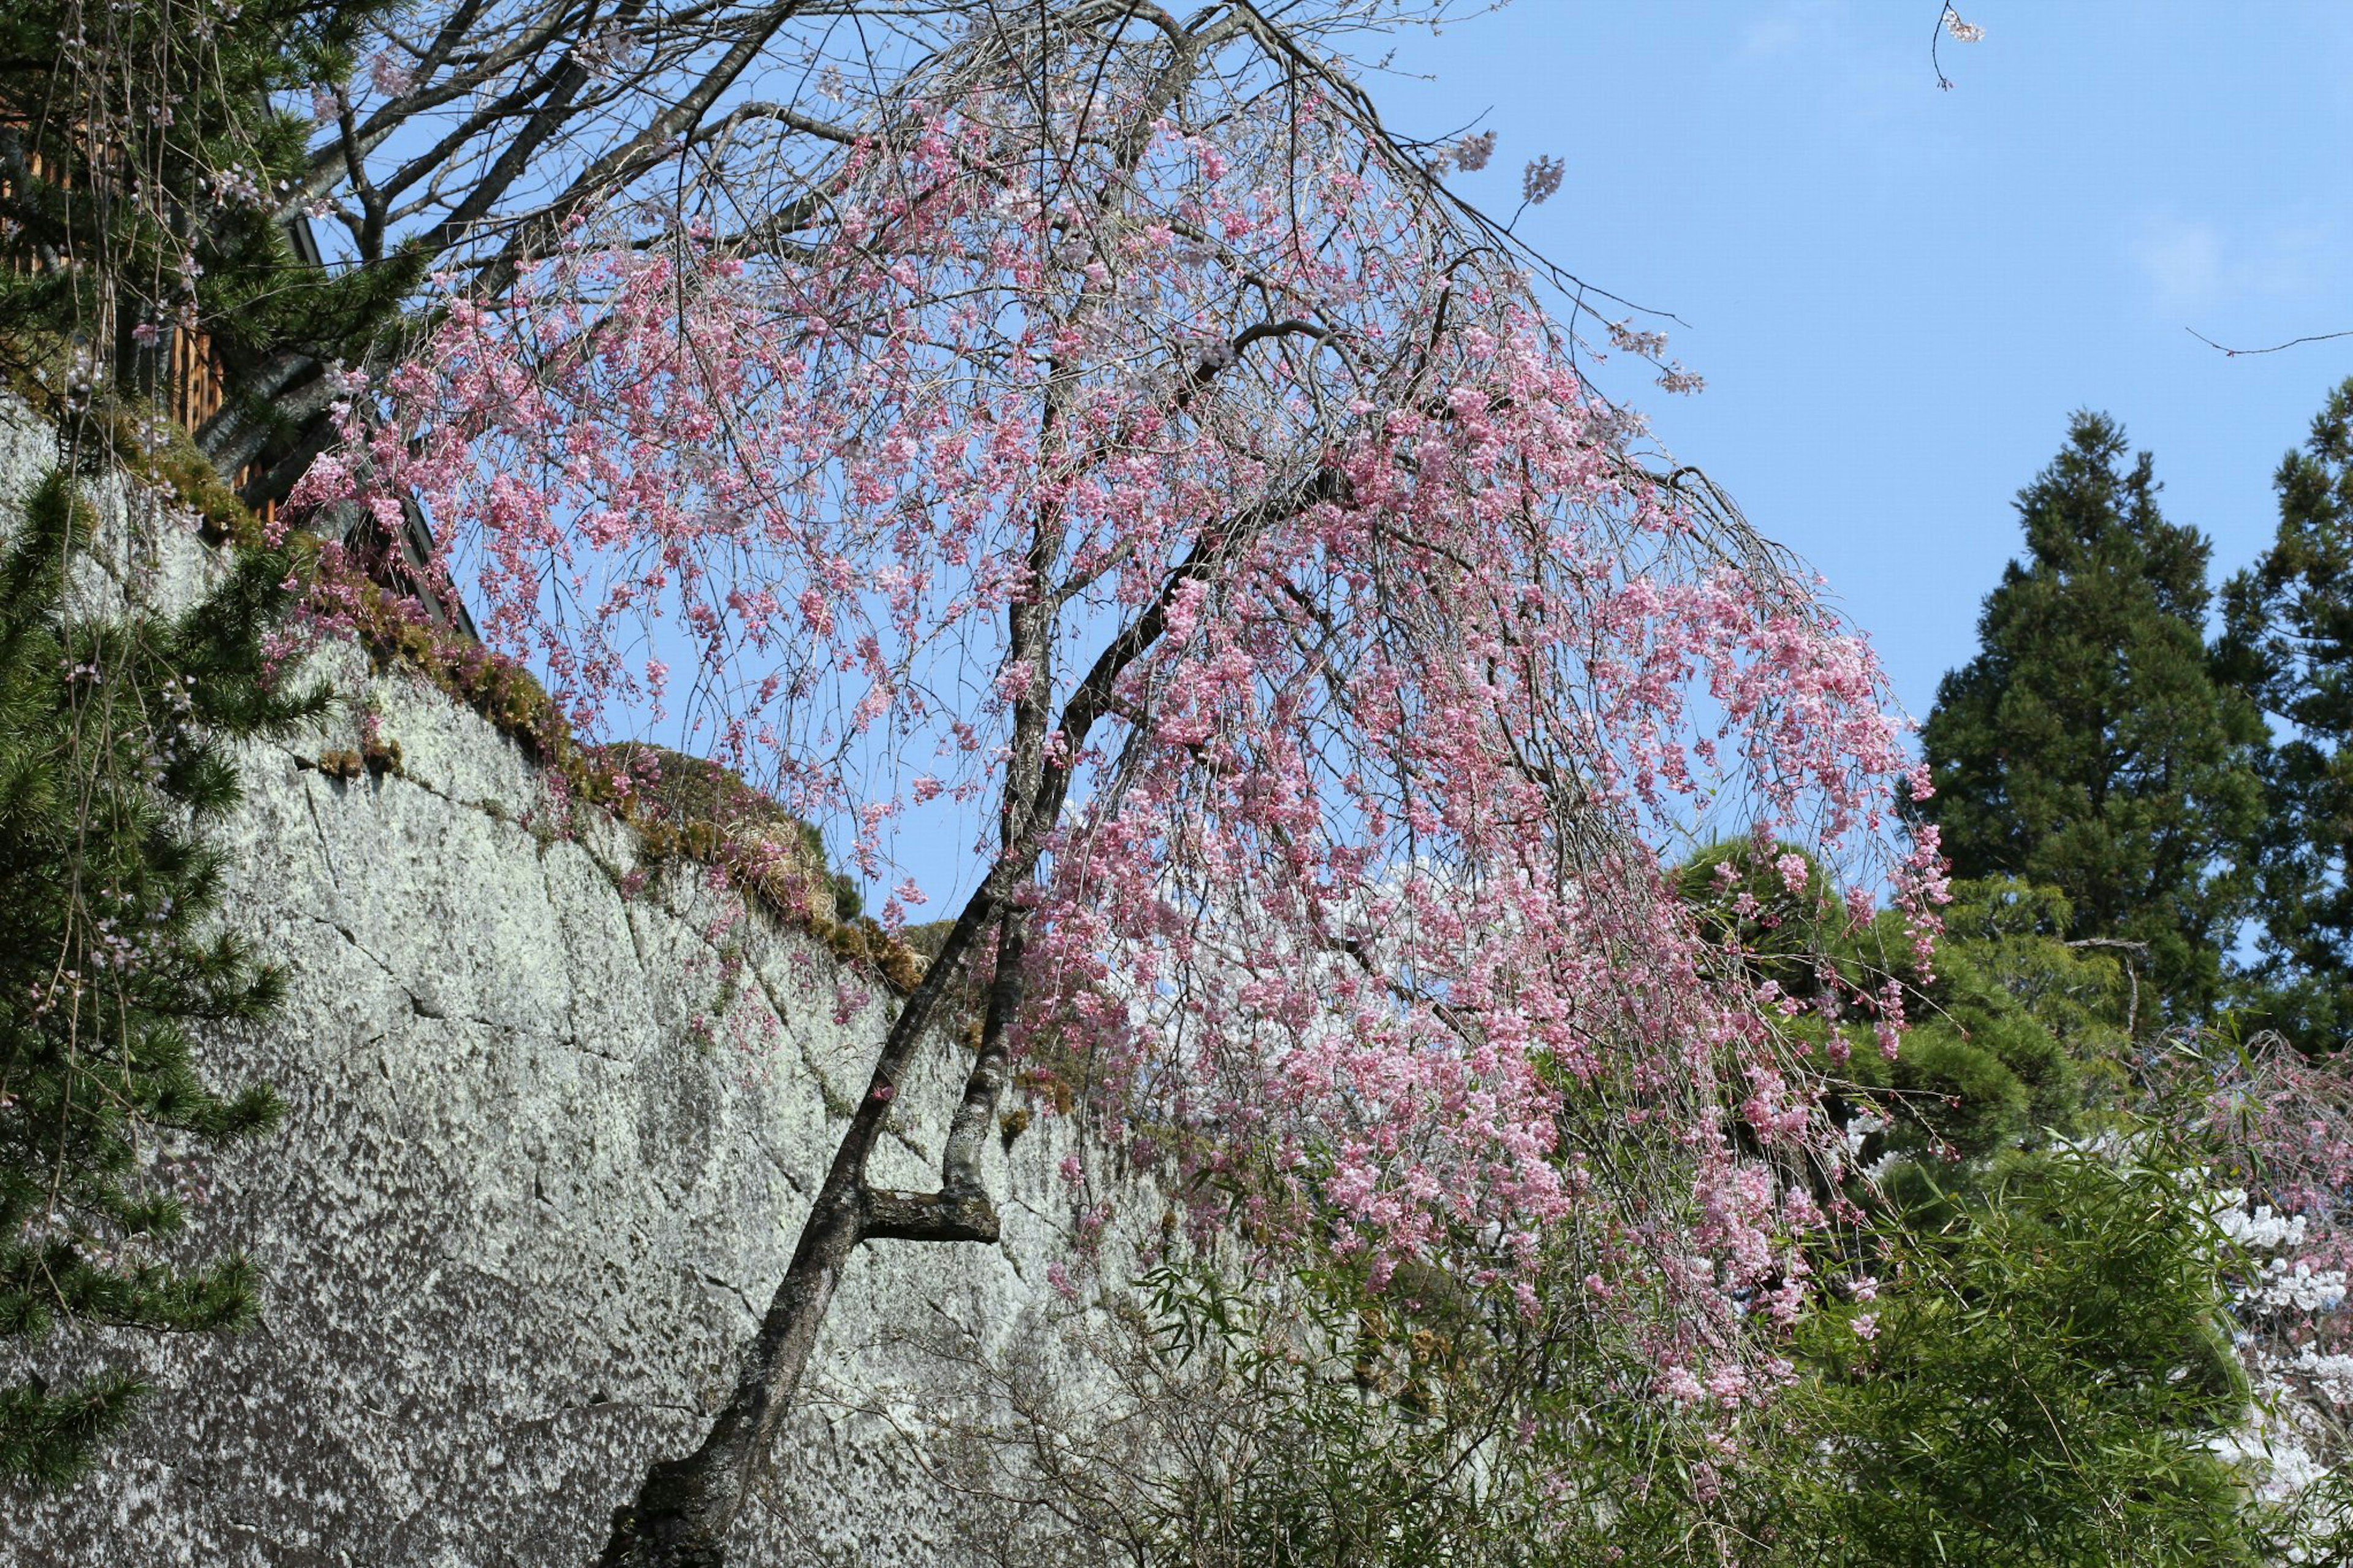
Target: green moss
381, 757
1012, 1124
147, 445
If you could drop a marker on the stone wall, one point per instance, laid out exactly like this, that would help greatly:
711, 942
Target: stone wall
550, 1135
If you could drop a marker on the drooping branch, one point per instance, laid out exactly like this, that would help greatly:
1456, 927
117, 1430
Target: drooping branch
1313, 704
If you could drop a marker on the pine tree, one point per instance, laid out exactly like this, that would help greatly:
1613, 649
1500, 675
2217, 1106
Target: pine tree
111, 736
2009, 1033
147, 169
2288, 638
2091, 746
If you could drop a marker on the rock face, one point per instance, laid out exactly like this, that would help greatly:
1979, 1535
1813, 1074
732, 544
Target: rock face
553, 1118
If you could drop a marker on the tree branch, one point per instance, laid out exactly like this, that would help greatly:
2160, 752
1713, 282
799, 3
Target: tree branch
2291, 343
950, 1215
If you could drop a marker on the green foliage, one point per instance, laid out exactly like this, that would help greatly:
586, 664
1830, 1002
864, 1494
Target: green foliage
111, 758
148, 153
2043, 1375
2090, 746
2288, 638
2012, 1032
2035, 1382
1429, 1424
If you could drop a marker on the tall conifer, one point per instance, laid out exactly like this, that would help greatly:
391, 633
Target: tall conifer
2288, 638
2090, 746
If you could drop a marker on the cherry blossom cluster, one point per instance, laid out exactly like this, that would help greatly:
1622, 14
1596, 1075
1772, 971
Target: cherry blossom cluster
2284, 1123
1232, 494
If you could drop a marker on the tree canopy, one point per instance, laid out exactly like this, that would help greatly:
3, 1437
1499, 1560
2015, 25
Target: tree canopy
2288, 640
1140, 440
2091, 746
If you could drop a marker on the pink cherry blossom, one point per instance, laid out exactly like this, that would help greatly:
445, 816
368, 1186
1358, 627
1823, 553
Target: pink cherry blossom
1340, 667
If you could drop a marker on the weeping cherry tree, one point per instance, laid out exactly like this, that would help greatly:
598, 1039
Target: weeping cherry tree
1126, 436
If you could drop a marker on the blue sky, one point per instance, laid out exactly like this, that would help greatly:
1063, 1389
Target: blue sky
1898, 294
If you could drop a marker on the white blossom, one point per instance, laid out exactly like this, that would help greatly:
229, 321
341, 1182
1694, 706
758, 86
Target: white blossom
1541, 180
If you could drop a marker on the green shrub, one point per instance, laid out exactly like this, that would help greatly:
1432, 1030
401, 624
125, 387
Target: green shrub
2037, 1381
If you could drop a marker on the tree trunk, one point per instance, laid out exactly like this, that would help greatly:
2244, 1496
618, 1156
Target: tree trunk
683, 1512
686, 1507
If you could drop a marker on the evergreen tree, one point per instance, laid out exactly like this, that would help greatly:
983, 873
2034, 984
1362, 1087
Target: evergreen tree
2090, 746
111, 760
2288, 638
147, 149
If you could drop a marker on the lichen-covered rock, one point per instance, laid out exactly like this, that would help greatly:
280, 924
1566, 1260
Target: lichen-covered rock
554, 1118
